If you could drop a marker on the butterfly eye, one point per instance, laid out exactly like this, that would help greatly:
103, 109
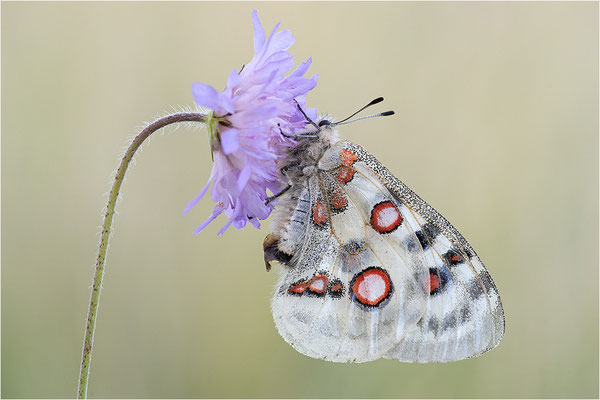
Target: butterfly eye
324, 123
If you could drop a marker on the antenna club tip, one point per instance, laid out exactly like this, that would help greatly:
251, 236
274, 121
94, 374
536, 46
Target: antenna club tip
377, 100
387, 113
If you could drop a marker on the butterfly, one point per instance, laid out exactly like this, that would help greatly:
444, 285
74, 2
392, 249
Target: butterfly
369, 269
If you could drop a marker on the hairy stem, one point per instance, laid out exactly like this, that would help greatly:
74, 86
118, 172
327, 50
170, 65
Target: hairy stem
88, 342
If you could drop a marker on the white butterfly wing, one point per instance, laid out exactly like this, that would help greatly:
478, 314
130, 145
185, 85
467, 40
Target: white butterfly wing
408, 286
464, 316
312, 306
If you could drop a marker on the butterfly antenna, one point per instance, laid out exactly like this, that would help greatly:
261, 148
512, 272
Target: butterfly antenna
383, 114
372, 103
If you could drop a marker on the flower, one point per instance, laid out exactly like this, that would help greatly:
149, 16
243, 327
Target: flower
245, 128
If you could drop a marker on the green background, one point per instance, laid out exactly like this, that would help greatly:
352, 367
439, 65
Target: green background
496, 127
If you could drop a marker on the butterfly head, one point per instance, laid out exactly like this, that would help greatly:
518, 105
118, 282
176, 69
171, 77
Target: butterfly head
321, 132
313, 141
325, 122
327, 129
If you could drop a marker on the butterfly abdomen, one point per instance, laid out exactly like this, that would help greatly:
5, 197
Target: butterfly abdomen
290, 219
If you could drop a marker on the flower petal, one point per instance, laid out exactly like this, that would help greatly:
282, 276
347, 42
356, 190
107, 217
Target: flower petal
301, 69
280, 41
244, 177
192, 203
298, 86
229, 141
249, 117
205, 95
257, 104
259, 33
231, 220
233, 80
255, 222
215, 213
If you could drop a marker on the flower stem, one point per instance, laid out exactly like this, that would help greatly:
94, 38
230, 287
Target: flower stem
86, 356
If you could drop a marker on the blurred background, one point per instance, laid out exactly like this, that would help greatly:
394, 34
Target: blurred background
496, 127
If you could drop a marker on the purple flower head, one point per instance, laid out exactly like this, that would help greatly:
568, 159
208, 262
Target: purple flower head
244, 128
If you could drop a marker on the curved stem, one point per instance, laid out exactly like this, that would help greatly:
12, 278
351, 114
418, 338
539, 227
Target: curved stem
88, 341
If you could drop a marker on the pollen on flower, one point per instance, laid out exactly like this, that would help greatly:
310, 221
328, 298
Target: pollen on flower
244, 128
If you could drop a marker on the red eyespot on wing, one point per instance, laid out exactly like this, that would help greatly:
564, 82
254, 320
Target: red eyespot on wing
319, 213
336, 288
338, 200
371, 287
344, 174
348, 157
385, 217
434, 283
298, 287
318, 284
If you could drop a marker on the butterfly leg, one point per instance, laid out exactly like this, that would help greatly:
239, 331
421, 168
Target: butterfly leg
310, 121
271, 198
296, 136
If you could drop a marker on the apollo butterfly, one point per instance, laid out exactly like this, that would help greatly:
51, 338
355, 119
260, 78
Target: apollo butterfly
369, 269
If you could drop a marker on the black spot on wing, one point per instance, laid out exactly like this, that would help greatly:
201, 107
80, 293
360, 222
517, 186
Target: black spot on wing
354, 246
411, 245
469, 253
422, 240
430, 231
434, 325
452, 320
465, 314
449, 321
426, 235
474, 289
452, 258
